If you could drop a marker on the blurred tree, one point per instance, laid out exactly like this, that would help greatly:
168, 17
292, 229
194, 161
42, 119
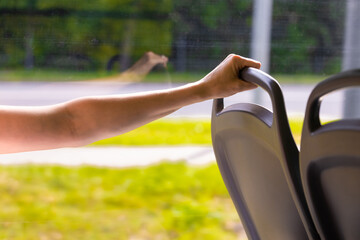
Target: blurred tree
81, 34
307, 36
210, 30
78, 34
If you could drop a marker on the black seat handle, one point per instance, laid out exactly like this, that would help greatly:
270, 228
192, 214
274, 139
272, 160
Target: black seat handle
349, 78
267, 83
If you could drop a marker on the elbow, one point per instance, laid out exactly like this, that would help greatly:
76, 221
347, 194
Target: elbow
70, 131
80, 129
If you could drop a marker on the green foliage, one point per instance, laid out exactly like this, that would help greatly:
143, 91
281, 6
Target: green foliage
211, 14
296, 51
306, 35
212, 30
85, 38
131, 6
165, 201
49, 75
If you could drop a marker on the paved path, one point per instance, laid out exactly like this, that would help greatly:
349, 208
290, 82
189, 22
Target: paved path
112, 156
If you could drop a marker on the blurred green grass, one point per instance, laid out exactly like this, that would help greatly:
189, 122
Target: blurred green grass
166, 131
165, 201
194, 76
178, 131
161, 76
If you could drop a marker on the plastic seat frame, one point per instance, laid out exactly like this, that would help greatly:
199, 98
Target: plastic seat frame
330, 164
259, 163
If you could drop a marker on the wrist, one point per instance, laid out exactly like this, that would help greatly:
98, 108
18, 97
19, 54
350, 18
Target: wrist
200, 90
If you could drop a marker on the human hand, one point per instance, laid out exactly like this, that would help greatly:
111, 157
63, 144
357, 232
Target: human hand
224, 80
155, 59
143, 66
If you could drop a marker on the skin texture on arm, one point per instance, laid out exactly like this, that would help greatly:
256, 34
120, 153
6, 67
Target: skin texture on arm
85, 120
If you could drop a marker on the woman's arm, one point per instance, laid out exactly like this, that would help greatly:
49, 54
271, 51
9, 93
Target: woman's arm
139, 70
85, 120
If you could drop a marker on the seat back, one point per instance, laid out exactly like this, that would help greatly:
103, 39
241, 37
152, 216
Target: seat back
330, 164
258, 160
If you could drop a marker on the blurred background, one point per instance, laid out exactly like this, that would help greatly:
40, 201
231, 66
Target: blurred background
50, 49
306, 36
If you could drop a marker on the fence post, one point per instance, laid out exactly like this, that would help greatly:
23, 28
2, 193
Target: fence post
351, 56
261, 37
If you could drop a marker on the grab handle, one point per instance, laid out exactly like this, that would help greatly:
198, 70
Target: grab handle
336, 82
266, 82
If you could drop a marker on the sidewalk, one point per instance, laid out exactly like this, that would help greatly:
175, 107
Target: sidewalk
112, 156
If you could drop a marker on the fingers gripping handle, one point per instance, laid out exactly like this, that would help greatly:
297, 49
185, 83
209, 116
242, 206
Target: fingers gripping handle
259, 78
266, 82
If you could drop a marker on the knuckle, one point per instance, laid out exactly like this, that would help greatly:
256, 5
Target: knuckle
231, 55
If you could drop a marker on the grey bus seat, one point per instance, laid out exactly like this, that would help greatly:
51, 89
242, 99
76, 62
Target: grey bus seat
330, 164
258, 161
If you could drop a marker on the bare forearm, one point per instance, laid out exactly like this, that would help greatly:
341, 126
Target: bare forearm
34, 128
101, 117
86, 120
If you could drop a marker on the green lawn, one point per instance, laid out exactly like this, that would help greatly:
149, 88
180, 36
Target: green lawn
157, 76
175, 131
191, 77
166, 131
165, 201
